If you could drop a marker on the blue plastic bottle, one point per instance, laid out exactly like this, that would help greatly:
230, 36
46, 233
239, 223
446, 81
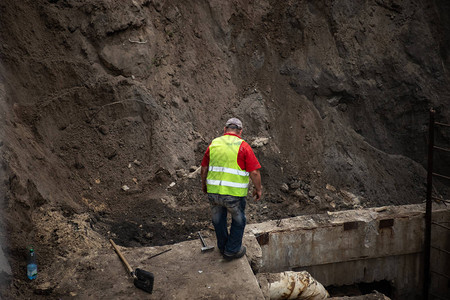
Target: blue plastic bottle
32, 266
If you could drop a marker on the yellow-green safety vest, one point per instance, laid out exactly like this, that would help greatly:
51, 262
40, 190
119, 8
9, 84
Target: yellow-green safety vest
225, 177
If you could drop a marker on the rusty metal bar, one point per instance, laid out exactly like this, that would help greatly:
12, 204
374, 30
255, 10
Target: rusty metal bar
441, 148
439, 199
442, 124
427, 239
442, 176
438, 297
440, 249
440, 274
440, 225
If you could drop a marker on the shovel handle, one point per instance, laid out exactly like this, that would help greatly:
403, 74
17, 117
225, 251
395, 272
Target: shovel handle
121, 256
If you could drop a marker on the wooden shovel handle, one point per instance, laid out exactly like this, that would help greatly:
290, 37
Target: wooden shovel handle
121, 256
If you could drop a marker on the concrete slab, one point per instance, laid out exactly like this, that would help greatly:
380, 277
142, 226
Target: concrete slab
182, 273
346, 247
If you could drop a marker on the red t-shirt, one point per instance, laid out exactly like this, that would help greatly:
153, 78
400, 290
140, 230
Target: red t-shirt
246, 158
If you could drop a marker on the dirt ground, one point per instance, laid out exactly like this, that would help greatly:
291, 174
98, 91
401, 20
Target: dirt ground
108, 106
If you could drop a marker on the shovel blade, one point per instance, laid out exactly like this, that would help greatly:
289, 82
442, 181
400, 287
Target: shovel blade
144, 280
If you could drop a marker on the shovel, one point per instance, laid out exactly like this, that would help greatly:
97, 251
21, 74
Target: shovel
142, 279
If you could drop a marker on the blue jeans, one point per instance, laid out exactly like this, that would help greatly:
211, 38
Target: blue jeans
220, 205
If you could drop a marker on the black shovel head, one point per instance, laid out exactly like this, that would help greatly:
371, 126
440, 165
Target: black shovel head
144, 280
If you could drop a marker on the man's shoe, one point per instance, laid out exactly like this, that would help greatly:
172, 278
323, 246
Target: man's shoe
239, 254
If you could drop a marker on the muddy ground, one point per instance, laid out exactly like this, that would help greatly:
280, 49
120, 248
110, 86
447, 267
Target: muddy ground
108, 106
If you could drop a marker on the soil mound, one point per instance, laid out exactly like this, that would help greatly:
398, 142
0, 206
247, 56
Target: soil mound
108, 106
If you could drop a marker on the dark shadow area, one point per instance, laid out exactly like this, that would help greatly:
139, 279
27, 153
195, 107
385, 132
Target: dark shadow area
363, 288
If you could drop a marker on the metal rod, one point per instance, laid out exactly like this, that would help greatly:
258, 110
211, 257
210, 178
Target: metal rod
442, 124
445, 251
160, 253
437, 296
441, 148
442, 176
427, 239
201, 238
440, 274
440, 225
439, 199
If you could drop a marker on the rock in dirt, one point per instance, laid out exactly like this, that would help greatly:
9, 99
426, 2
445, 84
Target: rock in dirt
350, 198
181, 173
45, 288
301, 195
195, 173
295, 185
330, 188
260, 142
78, 164
284, 188
103, 129
110, 152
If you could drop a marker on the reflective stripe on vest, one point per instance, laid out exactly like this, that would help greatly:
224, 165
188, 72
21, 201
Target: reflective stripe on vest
227, 183
228, 170
225, 177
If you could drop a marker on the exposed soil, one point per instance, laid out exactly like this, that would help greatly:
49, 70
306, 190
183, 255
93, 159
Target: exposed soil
108, 106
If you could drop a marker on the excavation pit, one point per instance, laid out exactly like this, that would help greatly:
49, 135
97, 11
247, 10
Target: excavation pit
362, 247
352, 252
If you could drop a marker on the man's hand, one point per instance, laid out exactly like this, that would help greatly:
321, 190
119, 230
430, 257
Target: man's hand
257, 194
256, 179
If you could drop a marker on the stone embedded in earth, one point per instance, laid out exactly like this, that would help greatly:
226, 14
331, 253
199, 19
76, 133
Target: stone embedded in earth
110, 152
181, 173
45, 288
307, 187
330, 188
103, 129
284, 187
350, 198
300, 195
295, 185
259, 142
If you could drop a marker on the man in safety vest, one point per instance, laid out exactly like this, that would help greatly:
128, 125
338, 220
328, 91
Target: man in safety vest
226, 167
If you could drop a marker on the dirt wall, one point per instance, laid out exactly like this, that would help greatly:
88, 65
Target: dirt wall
108, 106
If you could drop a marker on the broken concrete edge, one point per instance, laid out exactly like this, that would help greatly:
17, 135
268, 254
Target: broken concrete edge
339, 218
254, 252
256, 234
383, 222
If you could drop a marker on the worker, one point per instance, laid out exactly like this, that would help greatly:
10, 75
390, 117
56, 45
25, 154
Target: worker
226, 167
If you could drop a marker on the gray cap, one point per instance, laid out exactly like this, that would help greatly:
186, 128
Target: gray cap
234, 121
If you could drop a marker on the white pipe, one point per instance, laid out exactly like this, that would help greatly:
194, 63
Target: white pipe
296, 285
